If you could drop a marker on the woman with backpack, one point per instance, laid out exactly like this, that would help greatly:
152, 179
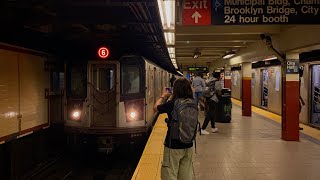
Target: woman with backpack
177, 156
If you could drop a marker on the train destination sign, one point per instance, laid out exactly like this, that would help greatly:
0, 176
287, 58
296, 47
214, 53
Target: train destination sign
233, 12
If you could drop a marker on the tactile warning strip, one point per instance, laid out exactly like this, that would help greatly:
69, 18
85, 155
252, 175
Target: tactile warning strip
150, 162
314, 133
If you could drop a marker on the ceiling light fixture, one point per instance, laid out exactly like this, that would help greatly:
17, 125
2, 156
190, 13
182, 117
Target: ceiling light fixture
229, 55
271, 58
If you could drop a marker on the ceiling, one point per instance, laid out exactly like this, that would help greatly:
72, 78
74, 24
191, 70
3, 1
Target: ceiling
215, 41
74, 29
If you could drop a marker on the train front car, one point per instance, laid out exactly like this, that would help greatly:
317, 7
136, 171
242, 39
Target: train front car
105, 104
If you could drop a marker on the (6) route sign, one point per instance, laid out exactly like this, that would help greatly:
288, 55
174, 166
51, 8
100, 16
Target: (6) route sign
196, 12
103, 52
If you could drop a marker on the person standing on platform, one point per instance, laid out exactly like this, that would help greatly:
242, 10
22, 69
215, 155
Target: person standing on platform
172, 79
215, 86
198, 85
177, 156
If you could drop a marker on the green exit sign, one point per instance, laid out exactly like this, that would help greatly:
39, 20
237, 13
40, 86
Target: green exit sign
197, 68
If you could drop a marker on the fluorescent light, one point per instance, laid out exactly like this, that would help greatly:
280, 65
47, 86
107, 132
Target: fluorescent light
180, 73
161, 11
229, 55
169, 36
167, 13
167, 16
272, 58
171, 50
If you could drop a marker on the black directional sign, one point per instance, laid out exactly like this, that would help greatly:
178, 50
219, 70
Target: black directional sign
232, 12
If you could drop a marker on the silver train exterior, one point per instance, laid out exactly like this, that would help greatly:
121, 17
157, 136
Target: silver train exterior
112, 101
266, 87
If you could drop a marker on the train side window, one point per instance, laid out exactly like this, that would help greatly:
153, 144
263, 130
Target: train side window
130, 79
77, 81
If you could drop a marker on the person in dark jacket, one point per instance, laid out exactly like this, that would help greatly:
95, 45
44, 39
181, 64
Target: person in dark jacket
172, 79
177, 156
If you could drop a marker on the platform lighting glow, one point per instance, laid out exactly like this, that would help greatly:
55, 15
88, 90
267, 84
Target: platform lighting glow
180, 73
172, 56
10, 114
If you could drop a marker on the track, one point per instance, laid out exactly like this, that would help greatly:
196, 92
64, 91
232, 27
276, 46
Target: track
85, 164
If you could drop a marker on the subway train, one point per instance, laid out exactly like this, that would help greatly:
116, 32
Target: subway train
265, 84
267, 88
112, 101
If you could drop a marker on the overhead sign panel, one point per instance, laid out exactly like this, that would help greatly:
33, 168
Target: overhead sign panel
197, 69
231, 12
196, 12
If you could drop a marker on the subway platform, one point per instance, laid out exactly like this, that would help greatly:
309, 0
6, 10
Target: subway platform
246, 148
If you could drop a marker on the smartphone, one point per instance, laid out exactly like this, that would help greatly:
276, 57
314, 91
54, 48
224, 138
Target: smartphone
169, 90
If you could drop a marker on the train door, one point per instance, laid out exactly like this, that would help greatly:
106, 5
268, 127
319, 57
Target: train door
315, 84
264, 88
102, 88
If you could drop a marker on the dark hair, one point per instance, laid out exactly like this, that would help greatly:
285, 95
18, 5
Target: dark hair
216, 75
182, 89
199, 74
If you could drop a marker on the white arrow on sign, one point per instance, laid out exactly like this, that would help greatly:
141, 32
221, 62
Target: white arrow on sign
196, 17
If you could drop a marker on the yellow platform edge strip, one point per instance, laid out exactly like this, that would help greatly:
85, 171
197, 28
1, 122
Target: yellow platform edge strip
313, 132
150, 162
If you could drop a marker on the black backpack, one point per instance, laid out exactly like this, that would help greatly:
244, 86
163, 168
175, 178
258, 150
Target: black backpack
184, 120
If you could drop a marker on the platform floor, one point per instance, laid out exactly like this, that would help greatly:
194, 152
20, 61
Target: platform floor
251, 148
246, 148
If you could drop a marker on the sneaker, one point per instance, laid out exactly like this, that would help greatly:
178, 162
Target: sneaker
214, 130
204, 132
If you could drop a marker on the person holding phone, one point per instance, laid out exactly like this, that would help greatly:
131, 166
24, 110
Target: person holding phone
177, 156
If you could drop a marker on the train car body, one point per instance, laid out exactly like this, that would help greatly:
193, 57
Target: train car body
266, 86
24, 90
112, 100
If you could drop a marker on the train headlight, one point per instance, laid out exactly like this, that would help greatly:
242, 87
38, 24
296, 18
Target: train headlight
133, 115
76, 115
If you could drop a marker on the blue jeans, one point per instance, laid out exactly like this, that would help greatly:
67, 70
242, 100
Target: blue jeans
197, 96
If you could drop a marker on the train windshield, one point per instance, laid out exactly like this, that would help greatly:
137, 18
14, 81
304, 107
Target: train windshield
77, 77
130, 79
